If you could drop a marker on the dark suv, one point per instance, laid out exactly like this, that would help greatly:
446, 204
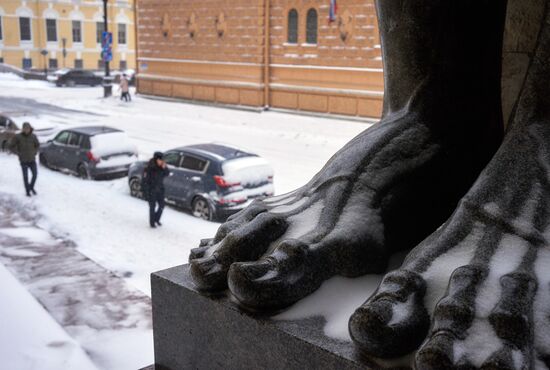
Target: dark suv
75, 77
213, 181
90, 152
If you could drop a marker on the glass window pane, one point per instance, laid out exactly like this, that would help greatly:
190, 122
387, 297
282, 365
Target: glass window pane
77, 31
172, 159
52, 63
27, 63
25, 28
194, 164
293, 27
311, 27
99, 31
62, 137
51, 30
74, 140
122, 33
1, 35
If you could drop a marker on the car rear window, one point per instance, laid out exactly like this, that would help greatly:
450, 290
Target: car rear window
247, 170
111, 143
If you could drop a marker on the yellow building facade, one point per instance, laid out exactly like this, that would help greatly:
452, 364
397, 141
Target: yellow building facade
68, 30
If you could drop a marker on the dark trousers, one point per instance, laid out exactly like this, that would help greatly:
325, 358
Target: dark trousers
126, 96
155, 213
26, 166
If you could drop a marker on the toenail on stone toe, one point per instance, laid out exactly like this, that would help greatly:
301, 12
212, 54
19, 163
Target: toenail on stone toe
197, 253
436, 353
252, 271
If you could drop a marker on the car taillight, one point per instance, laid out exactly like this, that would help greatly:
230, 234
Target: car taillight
220, 181
91, 157
231, 201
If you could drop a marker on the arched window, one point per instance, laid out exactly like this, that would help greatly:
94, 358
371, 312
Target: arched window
292, 26
311, 26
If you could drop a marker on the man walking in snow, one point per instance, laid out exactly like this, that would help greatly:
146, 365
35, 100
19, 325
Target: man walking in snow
154, 175
125, 89
26, 145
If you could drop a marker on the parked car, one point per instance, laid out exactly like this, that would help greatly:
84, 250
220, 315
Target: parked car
11, 126
213, 181
90, 152
73, 77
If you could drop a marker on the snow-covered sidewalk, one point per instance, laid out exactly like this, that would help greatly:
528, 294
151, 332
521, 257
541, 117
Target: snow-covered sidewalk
103, 314
35, 340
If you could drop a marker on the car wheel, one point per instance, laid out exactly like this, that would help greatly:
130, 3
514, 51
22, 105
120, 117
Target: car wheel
4, 146
83, 172
43, 160
201, 209
135, 188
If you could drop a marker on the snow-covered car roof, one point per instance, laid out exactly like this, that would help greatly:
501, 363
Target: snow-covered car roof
62, 71
36, 122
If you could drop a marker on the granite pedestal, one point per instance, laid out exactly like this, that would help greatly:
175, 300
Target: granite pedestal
195, 331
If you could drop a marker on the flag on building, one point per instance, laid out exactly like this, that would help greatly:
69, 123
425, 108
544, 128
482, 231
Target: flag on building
332, 11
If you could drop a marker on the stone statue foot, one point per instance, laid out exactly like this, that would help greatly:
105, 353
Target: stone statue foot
476, 293
346, 221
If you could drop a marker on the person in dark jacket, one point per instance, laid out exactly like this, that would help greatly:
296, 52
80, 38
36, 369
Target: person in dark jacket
153, 177
26, 145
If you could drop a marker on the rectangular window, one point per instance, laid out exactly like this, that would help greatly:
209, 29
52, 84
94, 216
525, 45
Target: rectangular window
1, 35
25, 29
122, 33
52, 63
77, 31
51, 30
27, 63
100, 27
193, 164
78, 64
123, 65
1, 60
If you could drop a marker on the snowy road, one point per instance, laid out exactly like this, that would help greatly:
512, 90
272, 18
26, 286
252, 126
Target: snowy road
110, 227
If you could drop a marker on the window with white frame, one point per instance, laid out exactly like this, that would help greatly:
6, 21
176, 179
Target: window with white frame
122, 34
25, 29
77, 32
51, 30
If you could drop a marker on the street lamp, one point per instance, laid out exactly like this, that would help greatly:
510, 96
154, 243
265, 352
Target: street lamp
106, 54
44, 52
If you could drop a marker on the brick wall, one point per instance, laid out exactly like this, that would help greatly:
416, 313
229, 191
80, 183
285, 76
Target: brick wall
213, 50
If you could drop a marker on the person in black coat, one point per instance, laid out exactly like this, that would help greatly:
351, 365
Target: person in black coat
26, 145
153, 179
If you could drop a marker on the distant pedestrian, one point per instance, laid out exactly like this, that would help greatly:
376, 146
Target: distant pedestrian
153, 183
125, 88
26, 145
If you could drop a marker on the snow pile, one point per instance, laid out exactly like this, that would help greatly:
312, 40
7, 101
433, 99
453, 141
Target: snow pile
112, 143
335, 300
36, 341
247, 170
